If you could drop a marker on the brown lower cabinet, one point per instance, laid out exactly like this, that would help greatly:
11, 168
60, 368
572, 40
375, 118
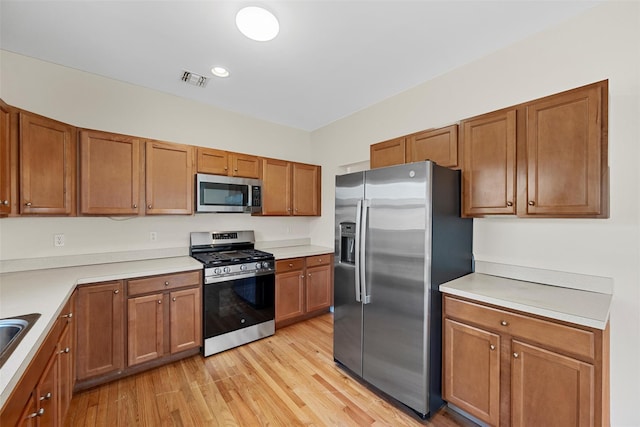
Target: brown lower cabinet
508, 368
42, 396
304, 288
127, 326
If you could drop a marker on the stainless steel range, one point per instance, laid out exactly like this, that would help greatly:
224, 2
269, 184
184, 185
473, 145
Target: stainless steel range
239, 289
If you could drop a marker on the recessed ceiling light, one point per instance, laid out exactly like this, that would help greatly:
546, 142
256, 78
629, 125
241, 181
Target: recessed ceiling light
220, 72
257, 23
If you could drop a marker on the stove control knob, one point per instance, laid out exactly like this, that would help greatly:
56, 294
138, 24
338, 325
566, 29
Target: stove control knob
243, 267
216, 270
227, 270
265, 264
258, 265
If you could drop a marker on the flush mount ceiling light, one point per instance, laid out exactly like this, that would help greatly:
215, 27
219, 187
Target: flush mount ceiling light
220, 72
257, 23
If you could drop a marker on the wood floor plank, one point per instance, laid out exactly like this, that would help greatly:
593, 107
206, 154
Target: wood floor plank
289, 379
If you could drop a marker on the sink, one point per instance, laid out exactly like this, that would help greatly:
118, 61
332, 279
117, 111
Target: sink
12, 330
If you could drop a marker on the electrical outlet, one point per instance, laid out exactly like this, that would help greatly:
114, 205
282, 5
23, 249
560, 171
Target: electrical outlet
153, 236
58, 240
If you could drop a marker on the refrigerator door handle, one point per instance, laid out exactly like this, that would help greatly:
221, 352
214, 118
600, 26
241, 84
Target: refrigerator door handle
366, 298
357, 252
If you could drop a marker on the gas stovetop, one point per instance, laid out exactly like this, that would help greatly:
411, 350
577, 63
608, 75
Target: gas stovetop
219, 259
229, 255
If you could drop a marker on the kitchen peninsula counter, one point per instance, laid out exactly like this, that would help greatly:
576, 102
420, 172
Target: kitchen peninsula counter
46, 291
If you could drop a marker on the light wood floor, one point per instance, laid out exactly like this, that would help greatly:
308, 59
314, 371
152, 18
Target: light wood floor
284, 380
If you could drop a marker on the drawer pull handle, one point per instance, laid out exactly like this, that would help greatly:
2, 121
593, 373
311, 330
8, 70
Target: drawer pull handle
117, 291
492, 347
46, 396
504, 323
66, 350
516, 355
166, 283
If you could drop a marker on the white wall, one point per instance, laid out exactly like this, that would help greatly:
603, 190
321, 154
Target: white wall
94, 102
604, 43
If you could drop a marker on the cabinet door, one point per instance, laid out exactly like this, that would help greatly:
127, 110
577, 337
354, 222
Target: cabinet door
566, 154
489, 168
109, 174
100, 321
47, 394
185, 319
209, 160
5, 159
276, 187
29, 417
306, 189
289, 295
471, 370
388, 153
244, 165
169, 178
549, 389
145, 328
318, 287
47, 166
438, 145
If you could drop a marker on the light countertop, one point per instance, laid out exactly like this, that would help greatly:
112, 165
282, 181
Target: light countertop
298, 251
46, 291
577, 306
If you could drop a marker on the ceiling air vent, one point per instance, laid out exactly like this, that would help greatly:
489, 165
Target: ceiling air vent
194, 79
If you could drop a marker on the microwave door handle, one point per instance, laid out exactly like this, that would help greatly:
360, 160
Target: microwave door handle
366, 298
357, 251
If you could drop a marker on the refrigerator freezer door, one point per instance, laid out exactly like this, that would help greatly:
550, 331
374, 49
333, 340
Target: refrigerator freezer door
347, 319
397, 260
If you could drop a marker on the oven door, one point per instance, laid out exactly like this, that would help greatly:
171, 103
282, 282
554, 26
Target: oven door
235, 304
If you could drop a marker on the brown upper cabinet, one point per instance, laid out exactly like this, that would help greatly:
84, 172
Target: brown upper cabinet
169, 178
5, 159
438, 145
290, 188
47, 151
110, 174
489, 166
559, 144
388, 153
219, 162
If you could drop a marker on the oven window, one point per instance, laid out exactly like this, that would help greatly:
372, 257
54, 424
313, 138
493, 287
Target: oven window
218, 194
236, 304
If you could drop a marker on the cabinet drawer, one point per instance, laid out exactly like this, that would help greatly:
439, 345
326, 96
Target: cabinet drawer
560, 337
290, 264
160, 283
323, 259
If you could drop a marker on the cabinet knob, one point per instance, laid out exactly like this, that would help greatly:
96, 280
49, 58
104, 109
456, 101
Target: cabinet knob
67, 316
509, 203
117, 291
149, 206
159, 301
302, 276
174, 299
5, 202
36, 414
135, 206
46, 396
492, 347
504, 323
309, 274
166, 283
66, 350
235, 170
516, 355
532, 203
28, 204
290, 265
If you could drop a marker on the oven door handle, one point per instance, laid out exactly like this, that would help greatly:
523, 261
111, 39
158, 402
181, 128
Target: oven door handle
214, 280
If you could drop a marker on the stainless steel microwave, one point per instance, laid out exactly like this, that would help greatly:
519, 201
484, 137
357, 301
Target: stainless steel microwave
216, 193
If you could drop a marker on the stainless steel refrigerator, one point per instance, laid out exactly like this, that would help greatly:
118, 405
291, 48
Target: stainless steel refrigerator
399, 235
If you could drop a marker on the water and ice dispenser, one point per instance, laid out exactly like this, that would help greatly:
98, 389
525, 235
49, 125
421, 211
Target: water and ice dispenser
348, 242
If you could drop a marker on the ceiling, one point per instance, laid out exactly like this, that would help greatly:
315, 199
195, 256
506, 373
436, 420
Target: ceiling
331, 58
